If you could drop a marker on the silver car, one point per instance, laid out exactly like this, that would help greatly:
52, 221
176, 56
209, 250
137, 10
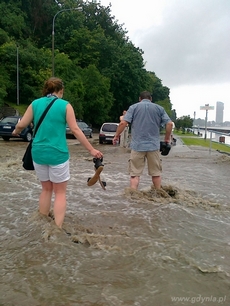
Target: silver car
84, 127
107, 132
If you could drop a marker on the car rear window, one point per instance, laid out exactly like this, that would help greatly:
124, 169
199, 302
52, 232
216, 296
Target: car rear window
82, 125
10, 120
109, 127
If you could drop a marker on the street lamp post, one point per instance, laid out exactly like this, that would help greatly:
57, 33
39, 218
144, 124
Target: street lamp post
17, 76
70, 9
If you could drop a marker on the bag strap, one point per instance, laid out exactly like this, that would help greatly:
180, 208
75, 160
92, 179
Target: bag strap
43, 115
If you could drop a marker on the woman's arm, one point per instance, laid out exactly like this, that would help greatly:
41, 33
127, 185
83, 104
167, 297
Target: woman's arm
72, 123
25, 121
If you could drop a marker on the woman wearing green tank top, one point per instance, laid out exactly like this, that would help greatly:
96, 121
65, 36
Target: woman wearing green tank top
50, 150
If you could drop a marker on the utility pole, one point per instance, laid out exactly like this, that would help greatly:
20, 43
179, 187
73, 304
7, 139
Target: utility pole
17, 75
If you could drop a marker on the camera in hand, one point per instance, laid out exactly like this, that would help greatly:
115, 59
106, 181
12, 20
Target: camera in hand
165, 147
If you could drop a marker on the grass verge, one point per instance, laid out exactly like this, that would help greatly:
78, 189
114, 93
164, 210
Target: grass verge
181, 134
205, 143
21, 108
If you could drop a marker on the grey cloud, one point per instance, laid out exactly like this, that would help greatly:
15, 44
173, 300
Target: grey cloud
191, 46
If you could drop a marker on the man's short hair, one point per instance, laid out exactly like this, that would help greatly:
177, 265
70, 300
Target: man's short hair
145, 95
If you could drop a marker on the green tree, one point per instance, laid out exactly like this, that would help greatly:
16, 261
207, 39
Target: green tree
8, 59
167, 106
183, 122
160, 93
103, 71
127, 75
98, 98
74, 93
12, 19
84, 47
4, 75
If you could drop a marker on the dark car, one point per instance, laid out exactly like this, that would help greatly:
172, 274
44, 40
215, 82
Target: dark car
7, 125
84, 127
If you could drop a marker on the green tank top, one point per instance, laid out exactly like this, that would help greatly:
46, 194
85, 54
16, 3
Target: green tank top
49, 144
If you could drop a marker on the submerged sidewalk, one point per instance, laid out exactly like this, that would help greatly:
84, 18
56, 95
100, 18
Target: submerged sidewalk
180, 146
198, 169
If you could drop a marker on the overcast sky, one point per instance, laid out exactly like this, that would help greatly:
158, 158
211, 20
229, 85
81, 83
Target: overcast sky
187, 44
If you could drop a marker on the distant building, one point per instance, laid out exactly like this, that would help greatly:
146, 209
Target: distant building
219, 112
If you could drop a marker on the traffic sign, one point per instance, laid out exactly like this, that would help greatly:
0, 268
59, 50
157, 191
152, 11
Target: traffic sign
207, 107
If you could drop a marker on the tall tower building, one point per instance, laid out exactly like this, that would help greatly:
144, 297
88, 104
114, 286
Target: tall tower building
219, 112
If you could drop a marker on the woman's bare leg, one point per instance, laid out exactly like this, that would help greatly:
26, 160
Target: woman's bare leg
59, 202
45, 197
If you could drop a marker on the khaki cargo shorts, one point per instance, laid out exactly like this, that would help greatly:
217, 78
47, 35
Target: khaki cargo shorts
137, 163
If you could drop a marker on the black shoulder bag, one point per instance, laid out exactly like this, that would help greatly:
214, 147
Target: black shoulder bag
27, 158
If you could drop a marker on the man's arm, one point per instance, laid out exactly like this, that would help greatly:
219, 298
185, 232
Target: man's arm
168, 131
120, 129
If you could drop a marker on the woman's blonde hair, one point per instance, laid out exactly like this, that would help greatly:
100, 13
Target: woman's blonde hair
52, 85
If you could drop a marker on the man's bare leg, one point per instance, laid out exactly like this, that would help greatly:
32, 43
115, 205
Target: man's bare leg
156, 182
134, 182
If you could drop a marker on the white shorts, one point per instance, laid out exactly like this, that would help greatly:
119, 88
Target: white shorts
55, 174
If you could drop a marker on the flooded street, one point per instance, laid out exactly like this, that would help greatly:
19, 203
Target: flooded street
118, 247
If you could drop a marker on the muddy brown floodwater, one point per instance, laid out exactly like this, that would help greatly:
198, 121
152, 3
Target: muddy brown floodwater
123, 248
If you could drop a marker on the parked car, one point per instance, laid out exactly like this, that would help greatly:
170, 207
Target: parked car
7, 125
107, 132
84, 127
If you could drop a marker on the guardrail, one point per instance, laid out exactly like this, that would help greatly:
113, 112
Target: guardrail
221, 138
